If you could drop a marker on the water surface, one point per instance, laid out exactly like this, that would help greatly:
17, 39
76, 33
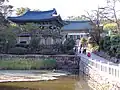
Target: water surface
63, 81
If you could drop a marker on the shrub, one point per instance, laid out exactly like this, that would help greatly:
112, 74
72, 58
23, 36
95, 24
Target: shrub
95, 48
112, 51
57, 47
7, 40
118, 55
101, 44
18, 50
34, 44
47, 52
22, 45
68, 45
115, 40
106, 43
71, 52
111, 45
83, 40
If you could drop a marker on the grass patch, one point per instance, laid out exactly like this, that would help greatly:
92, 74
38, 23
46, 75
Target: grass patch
27, 64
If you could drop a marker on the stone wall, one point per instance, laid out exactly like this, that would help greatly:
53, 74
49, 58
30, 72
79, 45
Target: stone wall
68, 63
63, 62
95, 79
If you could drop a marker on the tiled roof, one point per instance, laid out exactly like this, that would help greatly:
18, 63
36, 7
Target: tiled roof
36, 16
77, 25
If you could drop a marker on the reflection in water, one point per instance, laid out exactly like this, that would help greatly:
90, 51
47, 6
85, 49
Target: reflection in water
82, 83
69, 82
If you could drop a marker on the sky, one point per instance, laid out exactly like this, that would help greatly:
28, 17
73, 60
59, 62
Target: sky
64, 7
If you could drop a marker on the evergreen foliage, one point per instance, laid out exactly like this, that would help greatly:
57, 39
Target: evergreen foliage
111, 45
68, 46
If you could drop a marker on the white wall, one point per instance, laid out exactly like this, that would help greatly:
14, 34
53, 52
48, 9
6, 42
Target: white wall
77, 35
27, 39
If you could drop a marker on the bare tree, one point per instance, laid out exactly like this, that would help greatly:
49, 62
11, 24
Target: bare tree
75, 18
95, 17
5, 9
113, 13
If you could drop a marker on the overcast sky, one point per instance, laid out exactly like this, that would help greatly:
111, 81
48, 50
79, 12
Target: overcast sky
64, 7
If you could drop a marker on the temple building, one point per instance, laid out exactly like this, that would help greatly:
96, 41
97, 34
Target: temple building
49, 26
77, 29
52, 28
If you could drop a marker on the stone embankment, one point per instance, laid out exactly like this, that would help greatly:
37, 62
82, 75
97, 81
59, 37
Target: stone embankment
68, 63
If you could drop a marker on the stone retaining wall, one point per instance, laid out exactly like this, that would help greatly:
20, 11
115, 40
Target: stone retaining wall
63, 62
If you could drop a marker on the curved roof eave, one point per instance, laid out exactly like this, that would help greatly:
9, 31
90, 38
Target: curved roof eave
35, 15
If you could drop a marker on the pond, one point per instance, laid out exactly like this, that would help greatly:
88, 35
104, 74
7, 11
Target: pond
40, 80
